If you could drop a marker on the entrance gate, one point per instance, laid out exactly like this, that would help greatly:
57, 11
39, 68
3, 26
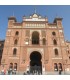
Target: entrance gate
35, 63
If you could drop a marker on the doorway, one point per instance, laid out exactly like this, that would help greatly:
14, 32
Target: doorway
35, 63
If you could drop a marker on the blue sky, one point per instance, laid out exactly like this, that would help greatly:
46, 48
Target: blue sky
45, 10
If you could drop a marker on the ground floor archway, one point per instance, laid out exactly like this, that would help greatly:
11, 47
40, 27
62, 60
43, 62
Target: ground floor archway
35, 62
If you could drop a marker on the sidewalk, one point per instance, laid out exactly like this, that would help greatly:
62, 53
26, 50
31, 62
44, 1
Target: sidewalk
46, 73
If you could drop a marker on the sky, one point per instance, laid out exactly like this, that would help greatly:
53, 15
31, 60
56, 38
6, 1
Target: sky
50, 11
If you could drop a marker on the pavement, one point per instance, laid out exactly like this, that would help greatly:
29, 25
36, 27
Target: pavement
45, 73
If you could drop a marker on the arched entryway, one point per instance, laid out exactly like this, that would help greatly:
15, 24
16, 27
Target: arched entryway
35, 62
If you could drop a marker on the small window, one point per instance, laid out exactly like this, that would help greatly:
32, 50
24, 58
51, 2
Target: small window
17, 33
54, 42
15, 42
68, 51
69, 57
11, 66
53, 33
56, 51
14, 51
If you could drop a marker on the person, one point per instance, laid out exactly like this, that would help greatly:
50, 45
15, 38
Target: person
2, 71
28, 72
24, 73
60, 71
15, 71
8, 72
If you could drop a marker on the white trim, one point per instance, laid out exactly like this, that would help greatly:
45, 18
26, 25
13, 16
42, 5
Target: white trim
9, 30
56, 58
34, 19
60, 30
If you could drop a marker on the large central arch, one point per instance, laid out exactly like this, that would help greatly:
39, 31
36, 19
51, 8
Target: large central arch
35, 62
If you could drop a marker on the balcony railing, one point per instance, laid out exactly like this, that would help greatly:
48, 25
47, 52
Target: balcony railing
35, 42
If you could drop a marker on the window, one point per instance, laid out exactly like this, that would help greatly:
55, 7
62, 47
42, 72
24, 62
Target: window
68, 51
60, 66
14, 51
35, 37
54, 42
55, 67
17, 33
15, 42
69, 57
53, 33
11, 66
44, 41
56, 51
15, 66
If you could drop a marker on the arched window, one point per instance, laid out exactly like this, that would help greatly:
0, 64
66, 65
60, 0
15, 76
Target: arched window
56, 51
11, 66
17, 33
44, 41
15, 66
54, 42
53, 33
55, 67
68, 51
60, 66
35, 37
14, 51
16, 41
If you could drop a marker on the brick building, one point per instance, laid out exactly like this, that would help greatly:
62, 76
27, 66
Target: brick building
35, 44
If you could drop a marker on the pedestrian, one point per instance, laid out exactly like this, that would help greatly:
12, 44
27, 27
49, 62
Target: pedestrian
60, 71
2, 71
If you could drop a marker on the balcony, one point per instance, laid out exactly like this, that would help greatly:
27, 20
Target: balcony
35, 42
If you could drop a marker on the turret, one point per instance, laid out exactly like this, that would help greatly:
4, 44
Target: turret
58, 21
11, 20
